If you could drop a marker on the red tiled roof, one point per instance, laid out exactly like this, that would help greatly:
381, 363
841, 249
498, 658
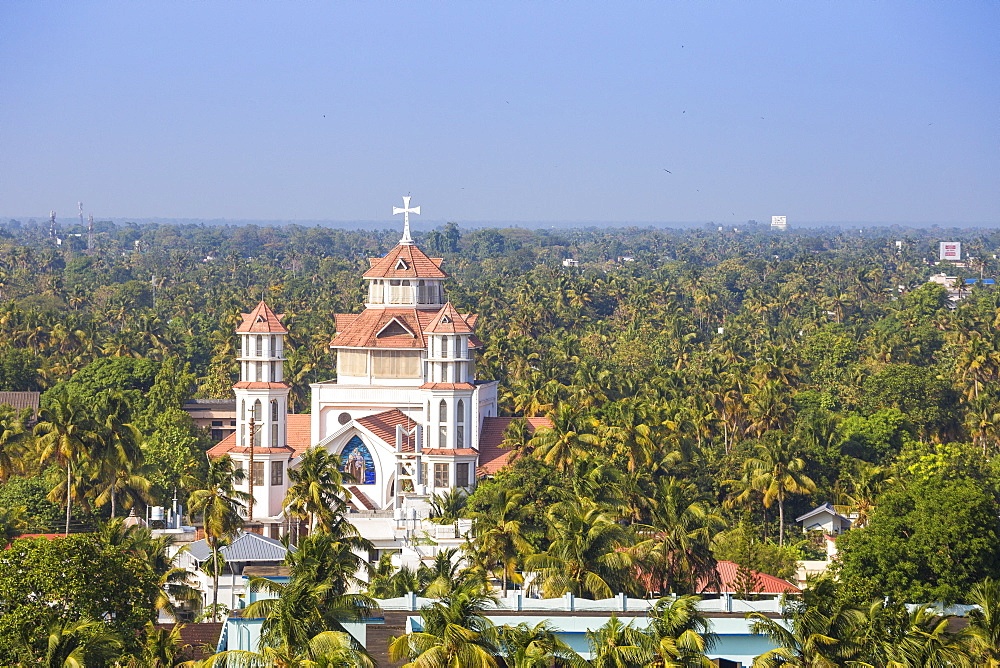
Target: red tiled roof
417, 264
262, 320
492, 457
448, 321
384, 424
299, 438
449, 451
198, 639
362, 498
259, 385
447, 386
362, 330
767, 584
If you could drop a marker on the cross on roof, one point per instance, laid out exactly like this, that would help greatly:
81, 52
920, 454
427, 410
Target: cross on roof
406, 211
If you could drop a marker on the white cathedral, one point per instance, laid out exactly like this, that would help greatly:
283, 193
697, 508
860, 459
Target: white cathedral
406, 416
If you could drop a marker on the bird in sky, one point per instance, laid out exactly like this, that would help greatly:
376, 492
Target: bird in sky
668, 171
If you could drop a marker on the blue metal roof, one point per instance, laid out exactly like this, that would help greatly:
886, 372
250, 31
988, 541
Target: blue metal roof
246, 547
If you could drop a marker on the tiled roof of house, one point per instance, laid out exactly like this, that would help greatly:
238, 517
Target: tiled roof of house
766, 584
493, 457
21, 400
405, 261
448, 321
384, 424
262, 320
299, 438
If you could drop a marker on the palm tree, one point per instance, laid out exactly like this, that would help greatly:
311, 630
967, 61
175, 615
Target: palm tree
63, 437
587, 553
679, 634
83, 642
498, 533
676, 552
777, 472
317, 491
117, 455
982, 635
12, 438
564, 443
537, 646
455, 635
316, 598
221, 506
817, 632
617, 645
327, 649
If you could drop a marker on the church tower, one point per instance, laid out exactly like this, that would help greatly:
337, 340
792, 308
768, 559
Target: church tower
262, 412
405, 411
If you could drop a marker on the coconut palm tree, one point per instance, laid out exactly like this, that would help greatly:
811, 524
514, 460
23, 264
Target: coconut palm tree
565, 442
221, 506
317, 492
617, 645
83, 642
675, 552
327, 649
776, 471
12, 441
587, 551
982, 635
455, 635
498, 533
678, 634
537, 646
64, 435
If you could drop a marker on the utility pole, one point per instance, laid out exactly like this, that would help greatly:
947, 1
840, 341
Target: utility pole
250, 503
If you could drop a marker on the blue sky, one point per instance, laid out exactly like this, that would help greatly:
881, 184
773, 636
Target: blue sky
503, 111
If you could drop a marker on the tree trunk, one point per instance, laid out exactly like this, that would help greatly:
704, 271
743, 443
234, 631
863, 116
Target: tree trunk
112, 501
781, 522
69, 492
504, 580
215, 585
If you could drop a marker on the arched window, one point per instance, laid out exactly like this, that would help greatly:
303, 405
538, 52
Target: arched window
442, 411
257, 412
274, 410
460, 412
460, 429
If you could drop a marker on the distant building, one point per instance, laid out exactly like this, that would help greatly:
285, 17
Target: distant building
824, 518
20, 401
779, 223
570, 262
216, 415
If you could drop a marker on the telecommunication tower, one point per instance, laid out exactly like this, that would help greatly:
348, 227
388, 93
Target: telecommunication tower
52, 224
90, 233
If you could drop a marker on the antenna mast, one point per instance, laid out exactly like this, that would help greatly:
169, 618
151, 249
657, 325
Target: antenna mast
90, 233
52, 224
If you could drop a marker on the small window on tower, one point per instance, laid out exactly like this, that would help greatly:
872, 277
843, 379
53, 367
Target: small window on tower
344, 418
260, 345
401, 264
274, 410
258, 474
277, 473
274, 435
462, 474
442, 411
441, 475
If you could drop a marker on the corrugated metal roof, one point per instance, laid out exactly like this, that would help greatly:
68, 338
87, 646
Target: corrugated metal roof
21, 400
248, 546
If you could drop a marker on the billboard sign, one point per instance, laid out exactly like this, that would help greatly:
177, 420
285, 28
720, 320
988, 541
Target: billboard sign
951, 251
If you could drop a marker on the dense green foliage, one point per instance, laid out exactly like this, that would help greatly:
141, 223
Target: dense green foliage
703, 386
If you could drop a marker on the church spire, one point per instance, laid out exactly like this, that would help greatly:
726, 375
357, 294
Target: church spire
407, 240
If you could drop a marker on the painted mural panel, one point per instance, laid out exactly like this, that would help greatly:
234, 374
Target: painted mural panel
357, 462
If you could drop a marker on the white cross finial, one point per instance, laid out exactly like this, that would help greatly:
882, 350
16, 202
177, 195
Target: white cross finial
406, 211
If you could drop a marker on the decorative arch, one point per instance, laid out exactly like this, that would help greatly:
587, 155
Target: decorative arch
356, 460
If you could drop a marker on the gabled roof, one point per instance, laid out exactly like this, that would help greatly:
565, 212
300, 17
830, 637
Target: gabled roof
362, 330
261, 320
448, 321
492, 457
384, 424
247, 546
728, 577
824, 508
298, 439
21, 400
405, 261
